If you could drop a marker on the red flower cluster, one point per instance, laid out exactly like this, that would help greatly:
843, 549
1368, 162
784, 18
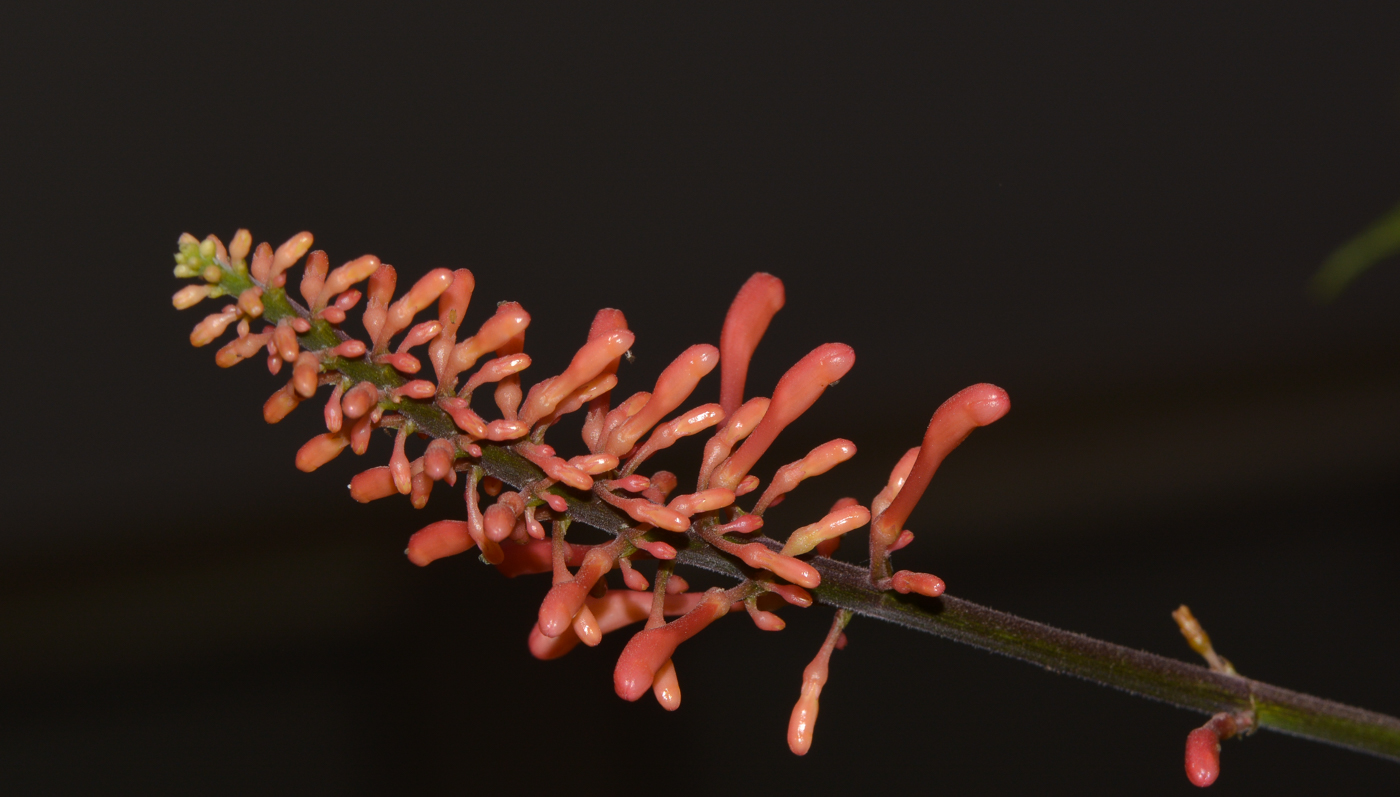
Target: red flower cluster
375, 383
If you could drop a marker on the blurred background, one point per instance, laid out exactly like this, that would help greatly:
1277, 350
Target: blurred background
1110, 211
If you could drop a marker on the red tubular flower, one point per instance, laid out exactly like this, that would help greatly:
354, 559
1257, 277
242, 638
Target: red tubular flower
423, 293
758, 301
650, 649
674, 386
510, 320
418, 335
566, 598
839, 521
319, 450
693, 422
818, 461
305, 372
615, 610
802, 724
261, 267
279, 404
438, 459
797, 391
373, 484
452, 308
333, 413
313, 278
438, 540
213, 326
735, 429
240, 349
340, 280
288, 254
605, 321
378, 293
239, 246
970, 408
496, 370
589, 362
1203, 746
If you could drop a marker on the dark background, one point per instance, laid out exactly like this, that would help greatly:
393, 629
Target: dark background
1111, 211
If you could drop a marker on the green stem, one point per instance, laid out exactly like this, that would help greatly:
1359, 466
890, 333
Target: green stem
848, 587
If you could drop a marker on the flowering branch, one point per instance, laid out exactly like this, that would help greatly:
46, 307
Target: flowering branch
372, 388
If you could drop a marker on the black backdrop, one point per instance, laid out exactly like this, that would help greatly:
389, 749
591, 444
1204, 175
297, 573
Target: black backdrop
1109, 210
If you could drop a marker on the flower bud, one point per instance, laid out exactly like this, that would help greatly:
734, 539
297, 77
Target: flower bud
340, 280
423, 293
674, 386
452, 308
437, 540
360, 399
319, 450
280, 403
418, 335
703, 501
239, 246
496, 370
438, 459
373, 484
510, 320
666, 686
420, 389
213, 326
378, 293
648, 651
818, 461
666, 435
907, 581
189, 296
284, 340
835, 524
289, 253
261, 268
305, 374
399, 465
588, 362
797, 391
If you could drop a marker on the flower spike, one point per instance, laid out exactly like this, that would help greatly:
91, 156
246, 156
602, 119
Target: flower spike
538, 491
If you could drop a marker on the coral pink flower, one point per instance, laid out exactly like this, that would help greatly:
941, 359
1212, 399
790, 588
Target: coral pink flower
749, 315
797, 391
970, 408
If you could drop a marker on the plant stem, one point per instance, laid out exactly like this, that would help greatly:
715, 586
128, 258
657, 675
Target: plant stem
848, 587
